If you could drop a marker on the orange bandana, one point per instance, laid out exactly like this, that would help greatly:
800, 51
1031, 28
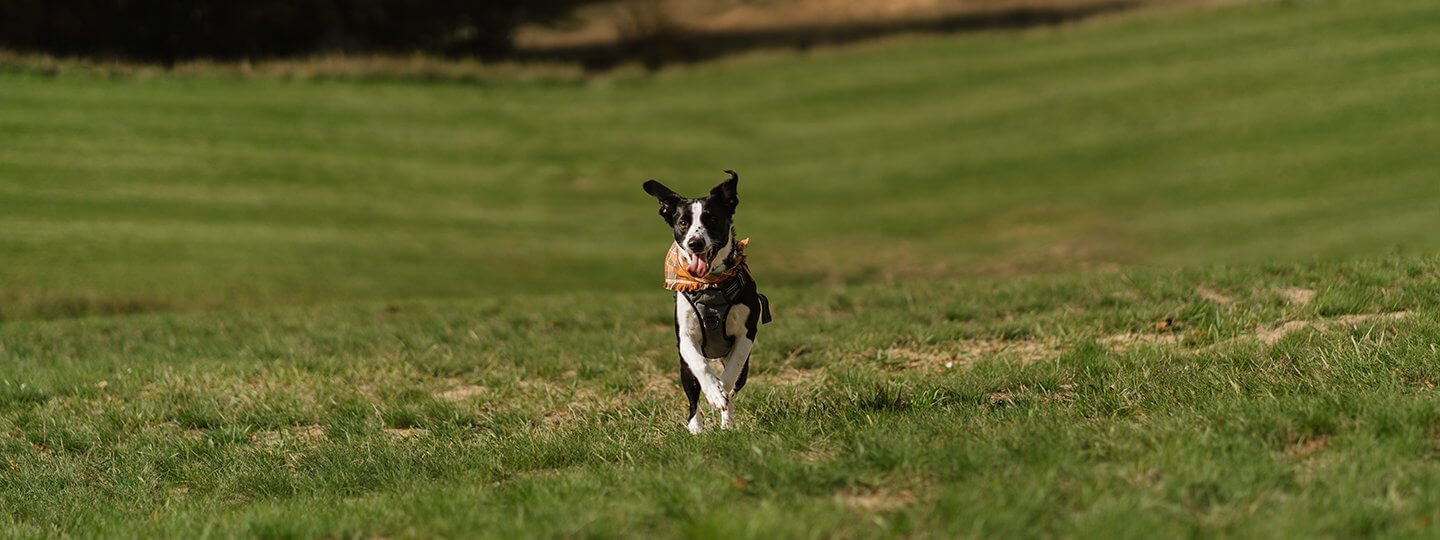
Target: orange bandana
677, 278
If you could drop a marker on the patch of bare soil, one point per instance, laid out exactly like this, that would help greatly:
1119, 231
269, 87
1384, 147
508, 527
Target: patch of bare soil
461, 392
1367, 317
1269, 336
406, 433
1297, 296
1065, 394
876, 499
1214, 296
921, 357
1306, 448
964, 353
557, 418
1166, 332
999, 398
302, 434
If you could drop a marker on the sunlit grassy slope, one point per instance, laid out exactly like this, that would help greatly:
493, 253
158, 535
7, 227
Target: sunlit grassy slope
1036, 406
1170, 274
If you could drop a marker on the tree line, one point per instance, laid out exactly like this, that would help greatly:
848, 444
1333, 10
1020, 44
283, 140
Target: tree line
167, 31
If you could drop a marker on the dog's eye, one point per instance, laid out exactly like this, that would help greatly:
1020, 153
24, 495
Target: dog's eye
684, 222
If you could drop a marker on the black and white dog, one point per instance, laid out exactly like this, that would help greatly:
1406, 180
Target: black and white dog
717, 308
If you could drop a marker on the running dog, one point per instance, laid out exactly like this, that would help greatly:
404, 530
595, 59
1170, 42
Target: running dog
717, 307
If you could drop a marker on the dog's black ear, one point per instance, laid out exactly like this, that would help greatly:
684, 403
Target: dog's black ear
726, 192
659, 191
669, 200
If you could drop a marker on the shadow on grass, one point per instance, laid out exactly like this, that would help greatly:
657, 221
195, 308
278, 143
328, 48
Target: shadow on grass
14, 307
689, 45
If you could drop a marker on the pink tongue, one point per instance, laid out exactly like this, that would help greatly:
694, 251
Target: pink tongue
698, 267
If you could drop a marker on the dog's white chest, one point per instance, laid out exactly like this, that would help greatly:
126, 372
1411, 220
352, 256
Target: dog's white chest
687, 320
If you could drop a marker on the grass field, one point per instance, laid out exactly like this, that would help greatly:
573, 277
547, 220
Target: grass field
1161, 275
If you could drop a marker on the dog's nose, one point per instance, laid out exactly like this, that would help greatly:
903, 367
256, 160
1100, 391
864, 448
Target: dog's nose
695, 245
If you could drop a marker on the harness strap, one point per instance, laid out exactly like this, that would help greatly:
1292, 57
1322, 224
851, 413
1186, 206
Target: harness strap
711, 309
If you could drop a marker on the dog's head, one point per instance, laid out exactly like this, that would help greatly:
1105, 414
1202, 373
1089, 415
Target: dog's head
703, 227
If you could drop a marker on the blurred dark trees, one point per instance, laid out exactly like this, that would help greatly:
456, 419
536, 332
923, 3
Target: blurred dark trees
167, 31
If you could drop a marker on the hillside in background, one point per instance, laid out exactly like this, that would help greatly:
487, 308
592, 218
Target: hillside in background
1231, 135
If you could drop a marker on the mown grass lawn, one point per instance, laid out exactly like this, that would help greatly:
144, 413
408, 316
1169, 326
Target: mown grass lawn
1167, 274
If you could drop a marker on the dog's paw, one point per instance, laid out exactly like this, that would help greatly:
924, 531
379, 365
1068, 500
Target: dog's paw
716, 394
718, 399
696, 425
725, 418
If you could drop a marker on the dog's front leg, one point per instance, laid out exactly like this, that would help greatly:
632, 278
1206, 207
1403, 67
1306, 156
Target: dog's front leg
709, 383
739, 353
734, 364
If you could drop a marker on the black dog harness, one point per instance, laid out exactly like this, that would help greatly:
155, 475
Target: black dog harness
712, 308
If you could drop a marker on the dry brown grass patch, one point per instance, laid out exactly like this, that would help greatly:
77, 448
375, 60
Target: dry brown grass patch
1297, 296
1307, 447
1367, 317
301, 434
1269, 336
1214, 296
461, 392
877, 499
1064, 394
966, 352
999, 398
